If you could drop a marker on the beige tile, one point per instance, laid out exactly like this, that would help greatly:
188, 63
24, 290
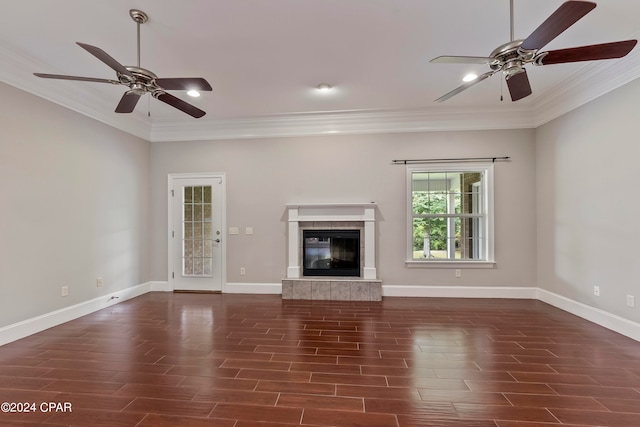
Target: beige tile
287, 289
376, 291
360, 291
301, 289
320, 290
340, 291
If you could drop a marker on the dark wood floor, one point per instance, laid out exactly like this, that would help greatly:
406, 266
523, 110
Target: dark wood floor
168, 359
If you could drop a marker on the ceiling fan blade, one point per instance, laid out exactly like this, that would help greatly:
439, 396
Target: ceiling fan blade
104, 57
184, 83
462, 60
565, 16
179, 104
83, 79
592, 52
519, 86
127, 102
465, 86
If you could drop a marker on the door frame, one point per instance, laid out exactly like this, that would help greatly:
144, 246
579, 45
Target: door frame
171, 178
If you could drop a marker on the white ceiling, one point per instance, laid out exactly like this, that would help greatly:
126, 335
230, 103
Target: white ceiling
264, 58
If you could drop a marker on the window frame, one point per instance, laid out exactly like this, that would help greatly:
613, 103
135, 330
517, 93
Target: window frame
487, 168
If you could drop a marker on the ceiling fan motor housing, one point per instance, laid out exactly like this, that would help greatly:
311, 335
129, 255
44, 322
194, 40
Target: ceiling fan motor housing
140, 81
511, 57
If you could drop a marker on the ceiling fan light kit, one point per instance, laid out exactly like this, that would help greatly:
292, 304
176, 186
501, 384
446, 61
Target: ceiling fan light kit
141, 81
510, 58
469, 77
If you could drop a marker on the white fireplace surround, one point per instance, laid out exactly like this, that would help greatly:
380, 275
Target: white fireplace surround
328, 212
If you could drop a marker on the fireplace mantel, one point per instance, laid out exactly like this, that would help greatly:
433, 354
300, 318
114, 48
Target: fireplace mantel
331, 212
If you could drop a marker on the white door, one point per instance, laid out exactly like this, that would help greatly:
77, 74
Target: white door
197, 249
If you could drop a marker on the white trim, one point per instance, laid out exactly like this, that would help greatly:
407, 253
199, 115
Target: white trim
338, 212
508, 292
411, 263
352, 122
600, 317
37, 324
254, 288
488, 184
223, 221
587, 83
592, 81
597, 316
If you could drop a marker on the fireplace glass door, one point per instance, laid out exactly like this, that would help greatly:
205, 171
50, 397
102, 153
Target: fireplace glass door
331, 253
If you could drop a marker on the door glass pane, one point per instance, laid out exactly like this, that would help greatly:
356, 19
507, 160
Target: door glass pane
188, 230
197, 194
197, 232
197, 212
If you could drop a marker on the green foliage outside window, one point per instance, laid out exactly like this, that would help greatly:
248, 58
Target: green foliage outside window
435, 228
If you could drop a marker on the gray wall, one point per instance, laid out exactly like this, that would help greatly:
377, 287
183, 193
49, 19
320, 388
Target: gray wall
263, 175
75, 207
587, 202
82, 200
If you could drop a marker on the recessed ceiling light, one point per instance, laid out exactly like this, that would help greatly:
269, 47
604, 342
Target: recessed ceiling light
324, 87
469, 77
193, 93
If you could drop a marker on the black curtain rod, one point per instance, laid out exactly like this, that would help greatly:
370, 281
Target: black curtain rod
459, 159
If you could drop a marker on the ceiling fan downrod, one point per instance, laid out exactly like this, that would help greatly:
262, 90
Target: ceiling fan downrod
139, 17
140, 81
512, 37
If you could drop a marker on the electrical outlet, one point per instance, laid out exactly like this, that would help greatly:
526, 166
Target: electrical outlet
64, 291
631, 301
98, 282
242, 271
596, 291
458, 273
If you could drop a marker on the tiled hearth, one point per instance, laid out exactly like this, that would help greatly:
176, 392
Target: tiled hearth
336, 289
366, 287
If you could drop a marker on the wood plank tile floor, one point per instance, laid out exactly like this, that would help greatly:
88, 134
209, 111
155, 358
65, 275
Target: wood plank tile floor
167, 359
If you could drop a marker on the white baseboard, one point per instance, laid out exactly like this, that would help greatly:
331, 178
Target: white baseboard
253, 288
605, 319
600, 317
230, 288
458, 291
37, 324
618, 324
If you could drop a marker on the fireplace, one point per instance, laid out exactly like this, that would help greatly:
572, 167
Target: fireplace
346, 272
337, 216
331, 253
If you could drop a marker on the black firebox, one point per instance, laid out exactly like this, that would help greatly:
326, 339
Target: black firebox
331, 253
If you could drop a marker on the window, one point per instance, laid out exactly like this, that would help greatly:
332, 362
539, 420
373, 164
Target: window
450, 213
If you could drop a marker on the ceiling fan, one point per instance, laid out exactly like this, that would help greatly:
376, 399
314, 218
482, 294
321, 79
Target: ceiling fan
511, 57
139, 80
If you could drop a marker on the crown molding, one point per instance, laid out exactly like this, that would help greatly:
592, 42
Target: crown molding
345, 123
17, 71
589, 82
